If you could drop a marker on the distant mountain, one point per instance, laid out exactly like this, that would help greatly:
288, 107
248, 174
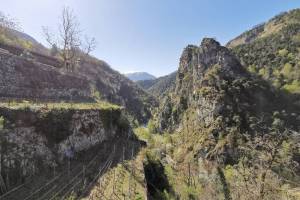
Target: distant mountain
158, 87
139, 76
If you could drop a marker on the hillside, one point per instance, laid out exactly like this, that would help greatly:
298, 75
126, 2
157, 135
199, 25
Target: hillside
139, 76
146, 84
50, 149
20, 39
160, 86
33, 76
271, 50
57, 129
213, 120
224, 126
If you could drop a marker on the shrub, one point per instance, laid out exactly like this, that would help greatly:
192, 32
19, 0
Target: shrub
262, 72
294, 87
287, 70
151, 127
252, 68
1, 122
283, 52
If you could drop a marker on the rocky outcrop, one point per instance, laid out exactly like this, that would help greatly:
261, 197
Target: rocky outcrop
34, 140
215, 95
207, 67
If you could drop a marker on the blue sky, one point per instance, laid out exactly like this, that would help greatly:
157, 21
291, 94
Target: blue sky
148, 35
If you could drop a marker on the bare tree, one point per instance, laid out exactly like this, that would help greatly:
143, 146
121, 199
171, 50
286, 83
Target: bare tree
68, 40
7, 23
270, 148
90, 45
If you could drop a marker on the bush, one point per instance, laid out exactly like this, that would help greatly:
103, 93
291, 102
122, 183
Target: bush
142, 133
287, 70
1, 122
294, 87
151, 127
283, 52
252, 68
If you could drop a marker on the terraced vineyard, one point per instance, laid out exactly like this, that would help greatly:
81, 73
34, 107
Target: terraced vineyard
75, 178
125, 181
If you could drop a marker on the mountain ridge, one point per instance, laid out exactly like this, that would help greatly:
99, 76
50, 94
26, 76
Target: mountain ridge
160, 86
272, 52
139, 76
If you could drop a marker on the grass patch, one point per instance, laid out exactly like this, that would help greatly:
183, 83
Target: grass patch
60, 105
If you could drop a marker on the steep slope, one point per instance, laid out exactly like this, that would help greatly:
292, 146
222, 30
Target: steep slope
224, 120
114, 87
271, 50
33, 76
163, 85
160, 86
22, 40
203, 75
22, 78
146, 84
57, 131
53, 150
139, 76
273, 26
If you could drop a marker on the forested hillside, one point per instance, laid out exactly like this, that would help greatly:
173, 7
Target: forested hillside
160, 86
226, 134
272, 51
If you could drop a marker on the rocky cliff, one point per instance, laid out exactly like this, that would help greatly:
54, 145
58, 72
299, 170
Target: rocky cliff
222, 129
36, 139
214, 91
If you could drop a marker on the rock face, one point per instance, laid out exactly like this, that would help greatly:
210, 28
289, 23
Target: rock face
215, 96
36, 140
196, 62
212, 84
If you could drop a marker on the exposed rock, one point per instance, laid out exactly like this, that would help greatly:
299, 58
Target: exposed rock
215, 93
36, 140
197, 68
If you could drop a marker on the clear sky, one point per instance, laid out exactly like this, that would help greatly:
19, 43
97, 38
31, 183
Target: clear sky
148, 35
